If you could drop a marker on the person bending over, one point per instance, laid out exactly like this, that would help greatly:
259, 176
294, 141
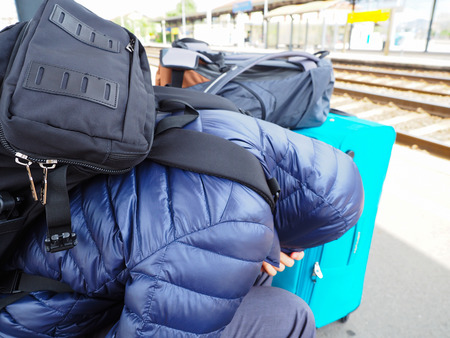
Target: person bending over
164, 252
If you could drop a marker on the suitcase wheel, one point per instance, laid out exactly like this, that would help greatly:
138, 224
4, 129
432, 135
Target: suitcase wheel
344, 319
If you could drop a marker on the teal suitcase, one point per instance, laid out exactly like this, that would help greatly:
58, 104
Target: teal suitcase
330, 277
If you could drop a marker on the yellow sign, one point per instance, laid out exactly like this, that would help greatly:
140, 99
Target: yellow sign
372, 16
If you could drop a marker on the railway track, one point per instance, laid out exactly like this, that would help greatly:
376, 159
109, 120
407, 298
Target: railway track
391, 86
421, 75
417, 129
416, 104
153, 55
437, 109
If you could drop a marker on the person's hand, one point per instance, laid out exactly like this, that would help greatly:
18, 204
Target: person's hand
285, 260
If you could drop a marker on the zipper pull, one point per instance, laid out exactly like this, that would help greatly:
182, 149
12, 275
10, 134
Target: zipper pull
49, 164
317, 272
19, 160
130, 46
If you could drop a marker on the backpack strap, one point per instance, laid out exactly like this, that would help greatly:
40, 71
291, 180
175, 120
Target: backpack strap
17, 284
211, 155
196, 99
57, 211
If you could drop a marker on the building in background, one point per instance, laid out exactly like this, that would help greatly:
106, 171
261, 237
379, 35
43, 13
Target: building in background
369, 25
391, 26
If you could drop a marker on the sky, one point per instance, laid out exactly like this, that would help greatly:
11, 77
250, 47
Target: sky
151, 8
113, 8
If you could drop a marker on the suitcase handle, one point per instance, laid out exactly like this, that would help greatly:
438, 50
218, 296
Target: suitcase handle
241, 67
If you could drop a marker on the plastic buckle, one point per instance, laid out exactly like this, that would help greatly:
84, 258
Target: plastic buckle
274, 188
276, 196
60, 242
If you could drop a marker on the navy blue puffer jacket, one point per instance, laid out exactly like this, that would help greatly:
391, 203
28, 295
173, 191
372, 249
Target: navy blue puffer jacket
169, 253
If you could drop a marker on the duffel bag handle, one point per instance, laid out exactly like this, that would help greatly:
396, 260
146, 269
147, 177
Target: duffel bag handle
241, 67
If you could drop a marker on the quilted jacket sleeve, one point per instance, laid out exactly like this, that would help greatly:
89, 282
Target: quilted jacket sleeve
192, 252
321, 189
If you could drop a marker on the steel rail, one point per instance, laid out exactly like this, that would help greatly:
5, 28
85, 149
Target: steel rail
434, 109
408, 76
433, 147
367, 83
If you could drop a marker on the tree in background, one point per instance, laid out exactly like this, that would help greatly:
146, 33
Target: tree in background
190, 7
139, 25
145, 29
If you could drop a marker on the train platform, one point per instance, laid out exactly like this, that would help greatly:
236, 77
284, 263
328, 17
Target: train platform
431, 61
407, 288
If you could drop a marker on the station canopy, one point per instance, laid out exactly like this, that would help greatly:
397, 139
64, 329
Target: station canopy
313, 6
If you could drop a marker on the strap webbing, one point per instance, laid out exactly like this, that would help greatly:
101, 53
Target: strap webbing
57, 210
241, 67
198, 100
18, 285
57, 207
205, 153
211, 155
178, 121
177, 78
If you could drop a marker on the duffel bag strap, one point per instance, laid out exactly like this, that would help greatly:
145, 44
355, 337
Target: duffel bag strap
241, 67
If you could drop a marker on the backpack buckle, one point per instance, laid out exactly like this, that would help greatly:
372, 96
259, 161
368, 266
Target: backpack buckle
60, 242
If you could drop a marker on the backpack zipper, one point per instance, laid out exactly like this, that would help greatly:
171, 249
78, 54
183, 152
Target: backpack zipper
32, 159
130, 46
47, 164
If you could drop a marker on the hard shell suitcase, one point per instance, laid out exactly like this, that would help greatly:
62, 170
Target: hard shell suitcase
330, 277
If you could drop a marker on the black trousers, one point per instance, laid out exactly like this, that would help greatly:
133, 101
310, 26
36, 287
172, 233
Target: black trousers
271, 312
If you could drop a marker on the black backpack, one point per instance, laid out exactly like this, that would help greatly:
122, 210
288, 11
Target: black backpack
77, 101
